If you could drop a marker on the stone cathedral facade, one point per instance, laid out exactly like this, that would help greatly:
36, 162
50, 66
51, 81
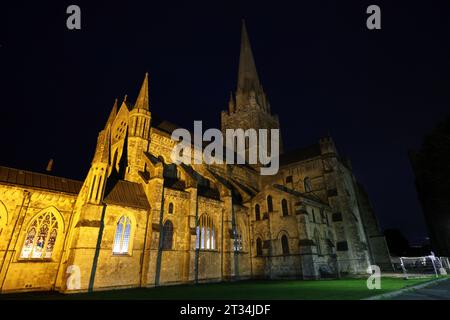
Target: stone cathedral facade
139, 220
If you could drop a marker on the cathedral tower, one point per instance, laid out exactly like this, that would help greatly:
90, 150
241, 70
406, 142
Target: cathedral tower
138, 134
250, 109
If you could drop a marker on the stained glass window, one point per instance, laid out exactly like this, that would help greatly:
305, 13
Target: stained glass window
237, 240
122, 237
206, 239
41, 237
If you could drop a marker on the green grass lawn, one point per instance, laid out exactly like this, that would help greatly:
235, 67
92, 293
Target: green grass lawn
344, 289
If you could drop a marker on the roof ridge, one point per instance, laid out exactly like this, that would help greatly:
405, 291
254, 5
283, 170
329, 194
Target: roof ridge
42, 174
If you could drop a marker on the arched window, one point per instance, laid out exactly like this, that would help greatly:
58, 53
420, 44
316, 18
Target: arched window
167, 236
206, 236
259, 247
317, 240
284, 207
269, 204
257, 213
307, 184
238, 244
123, 235
171, 208
285, 244
41, 237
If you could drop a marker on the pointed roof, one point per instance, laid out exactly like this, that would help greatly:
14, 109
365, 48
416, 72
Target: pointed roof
112, 115
142, 101
248, 76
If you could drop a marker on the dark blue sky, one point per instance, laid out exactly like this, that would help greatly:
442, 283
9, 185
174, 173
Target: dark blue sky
377, 92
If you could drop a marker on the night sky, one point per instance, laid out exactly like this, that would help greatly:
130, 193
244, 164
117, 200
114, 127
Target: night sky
377, 92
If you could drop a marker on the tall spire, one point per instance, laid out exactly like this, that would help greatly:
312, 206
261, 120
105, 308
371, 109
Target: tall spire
142, 101
112, 115
247, 76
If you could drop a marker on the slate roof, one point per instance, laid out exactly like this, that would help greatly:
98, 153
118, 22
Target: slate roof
126, 193
39, 180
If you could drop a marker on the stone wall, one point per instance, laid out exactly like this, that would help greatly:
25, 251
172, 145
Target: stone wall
22, 206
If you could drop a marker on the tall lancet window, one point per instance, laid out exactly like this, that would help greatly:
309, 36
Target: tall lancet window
284, 207
122, 237
257, 213
206, 236
238, 242
317, 240
41, 237
269, 204
307, 184
167, 236
284, 245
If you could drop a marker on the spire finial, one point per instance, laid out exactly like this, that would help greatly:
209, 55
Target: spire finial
142, 101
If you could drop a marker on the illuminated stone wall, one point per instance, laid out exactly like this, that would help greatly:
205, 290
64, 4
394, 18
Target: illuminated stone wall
22, 206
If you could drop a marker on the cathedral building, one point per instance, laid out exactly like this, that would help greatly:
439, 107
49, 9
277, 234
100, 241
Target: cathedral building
140, 220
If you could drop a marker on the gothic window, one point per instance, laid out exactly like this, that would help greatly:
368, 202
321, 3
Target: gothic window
259, 247
171, 208
122, 237
257, 213
269, 204
317, 242
285, 244
41, 237
284, 207
167, 236
327, 220
206, 236
238, 244
307, 184
322, 216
